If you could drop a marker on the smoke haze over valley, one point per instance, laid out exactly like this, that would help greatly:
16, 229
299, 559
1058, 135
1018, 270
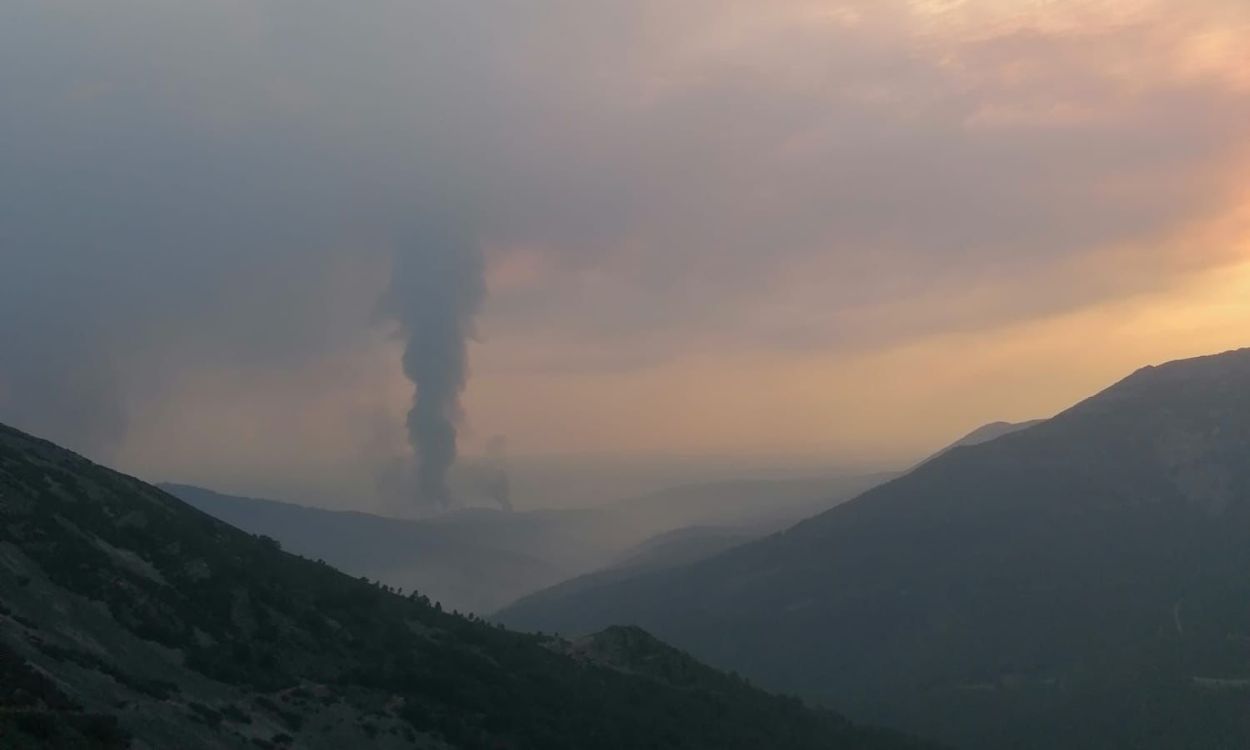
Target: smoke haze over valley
225, 216
336, 339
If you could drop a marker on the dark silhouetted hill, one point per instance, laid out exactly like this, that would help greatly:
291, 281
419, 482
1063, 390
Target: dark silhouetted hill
1078, 584
130, 619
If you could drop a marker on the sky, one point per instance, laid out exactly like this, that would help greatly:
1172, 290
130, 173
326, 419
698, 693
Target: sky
797, 233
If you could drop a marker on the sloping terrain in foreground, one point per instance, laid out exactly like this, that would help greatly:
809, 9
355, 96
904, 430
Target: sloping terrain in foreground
131, 619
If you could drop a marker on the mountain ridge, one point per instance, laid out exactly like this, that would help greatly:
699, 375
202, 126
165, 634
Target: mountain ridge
130, 619
1023, 578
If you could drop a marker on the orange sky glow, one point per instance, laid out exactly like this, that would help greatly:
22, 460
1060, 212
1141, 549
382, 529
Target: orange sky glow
804, 232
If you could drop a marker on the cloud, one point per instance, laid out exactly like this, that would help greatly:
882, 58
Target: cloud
873, 161
212, 190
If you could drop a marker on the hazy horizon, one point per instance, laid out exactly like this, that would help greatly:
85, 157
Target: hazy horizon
552, 482
236, 236
709, 374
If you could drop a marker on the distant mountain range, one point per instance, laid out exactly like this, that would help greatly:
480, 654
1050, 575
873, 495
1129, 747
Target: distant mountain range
1081, 583
130, 619
479, 560
984, 434
472, 563
690, 544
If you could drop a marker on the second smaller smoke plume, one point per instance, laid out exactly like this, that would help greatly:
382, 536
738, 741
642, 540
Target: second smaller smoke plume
498, 485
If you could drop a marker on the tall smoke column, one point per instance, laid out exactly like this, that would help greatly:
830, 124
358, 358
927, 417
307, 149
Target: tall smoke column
437, 288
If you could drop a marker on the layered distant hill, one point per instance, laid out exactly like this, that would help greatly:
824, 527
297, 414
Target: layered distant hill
986, 433
130, 619
1078, 584
690, 544
474, 562
478, 560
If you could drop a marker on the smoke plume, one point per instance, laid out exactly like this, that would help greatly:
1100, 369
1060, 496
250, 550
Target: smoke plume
437, 288
498, 486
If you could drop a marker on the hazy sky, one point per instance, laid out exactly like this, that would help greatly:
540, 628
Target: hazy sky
785, 231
